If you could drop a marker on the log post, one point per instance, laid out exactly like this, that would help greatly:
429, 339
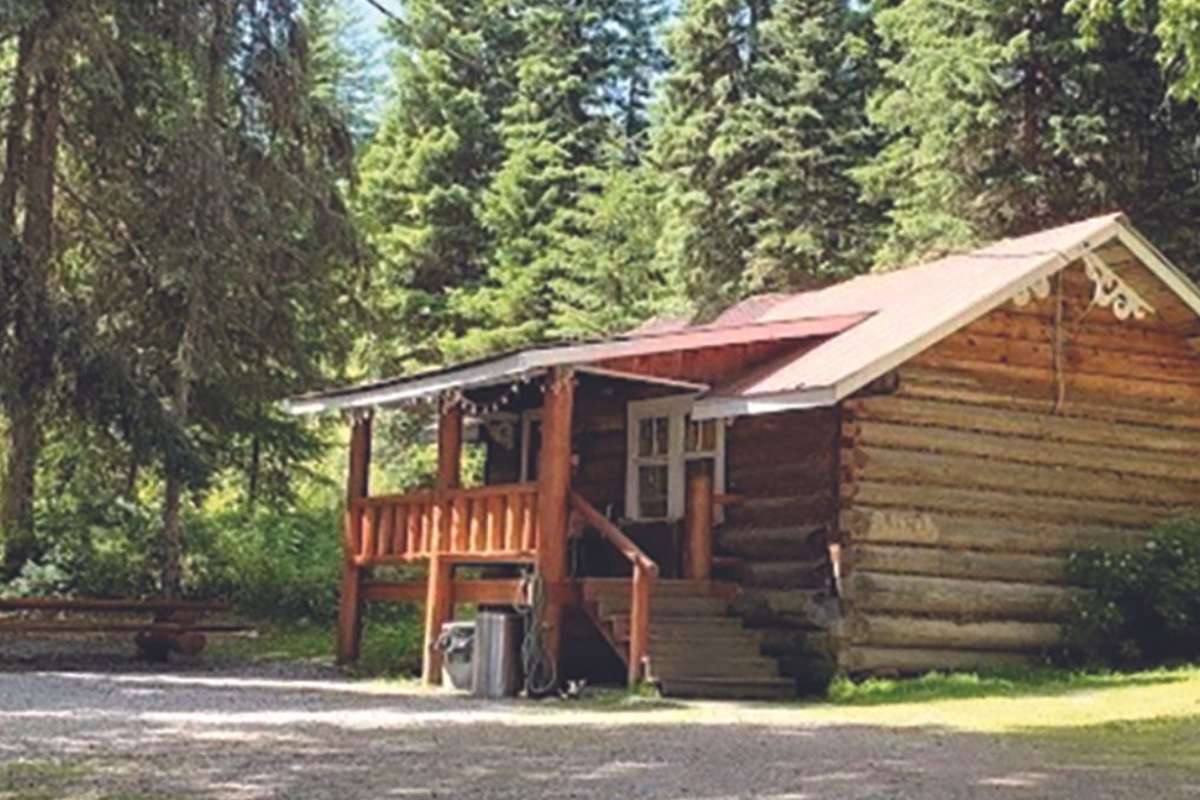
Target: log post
698, 557
349, 633
450, 439
439, 608
554, 486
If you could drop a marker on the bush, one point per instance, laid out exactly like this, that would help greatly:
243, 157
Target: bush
1142, 606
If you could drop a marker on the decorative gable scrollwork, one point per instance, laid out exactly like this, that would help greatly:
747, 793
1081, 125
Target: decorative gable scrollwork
1039, 290
1113, 293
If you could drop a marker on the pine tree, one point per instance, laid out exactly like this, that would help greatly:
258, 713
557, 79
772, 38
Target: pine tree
615, 281
340, 63
424, 174
555, 133
761, 124
1000, 123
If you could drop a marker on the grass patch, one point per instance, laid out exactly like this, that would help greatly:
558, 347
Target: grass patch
390, 648
936, 686
1159, 742
643, 698
37, 780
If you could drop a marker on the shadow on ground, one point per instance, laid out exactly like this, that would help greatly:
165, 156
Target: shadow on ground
241, 736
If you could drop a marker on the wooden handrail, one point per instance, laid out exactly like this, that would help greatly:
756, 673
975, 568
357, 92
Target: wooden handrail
645, 571
495, 490
488, 522
613, 534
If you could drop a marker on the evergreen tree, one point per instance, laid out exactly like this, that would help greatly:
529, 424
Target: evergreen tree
999, 122
761, 123
340, 63
616, 282
555, 133
424, 174
638, 59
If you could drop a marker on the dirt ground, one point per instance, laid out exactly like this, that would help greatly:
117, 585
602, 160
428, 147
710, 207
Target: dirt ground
126, 731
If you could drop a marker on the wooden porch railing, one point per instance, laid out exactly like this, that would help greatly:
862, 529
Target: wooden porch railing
645, 571
490, 522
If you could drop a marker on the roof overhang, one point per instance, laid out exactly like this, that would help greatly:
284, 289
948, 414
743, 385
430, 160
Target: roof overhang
528, 364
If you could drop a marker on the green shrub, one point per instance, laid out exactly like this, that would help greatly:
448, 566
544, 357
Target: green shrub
1142, 606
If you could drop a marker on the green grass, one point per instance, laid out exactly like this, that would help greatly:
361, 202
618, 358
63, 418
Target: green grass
937, 686
37, 780
1159, 742
390, 648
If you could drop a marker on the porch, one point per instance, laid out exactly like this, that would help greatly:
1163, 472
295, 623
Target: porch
517, 544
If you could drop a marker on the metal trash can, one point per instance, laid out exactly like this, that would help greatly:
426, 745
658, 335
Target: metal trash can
497, 664
457, 643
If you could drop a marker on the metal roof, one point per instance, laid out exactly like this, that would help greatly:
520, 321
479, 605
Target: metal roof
912, 309
508, 367
860, 329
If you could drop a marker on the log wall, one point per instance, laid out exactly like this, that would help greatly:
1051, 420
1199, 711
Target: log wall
1008, 444
775, 541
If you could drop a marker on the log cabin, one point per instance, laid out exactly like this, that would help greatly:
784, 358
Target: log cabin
880, 477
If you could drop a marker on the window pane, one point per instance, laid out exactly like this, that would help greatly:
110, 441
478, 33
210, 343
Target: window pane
661, 433
701, 436
645, 437
653, 433
652, 491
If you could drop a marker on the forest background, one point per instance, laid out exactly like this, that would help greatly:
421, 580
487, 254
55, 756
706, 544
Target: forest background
206, 207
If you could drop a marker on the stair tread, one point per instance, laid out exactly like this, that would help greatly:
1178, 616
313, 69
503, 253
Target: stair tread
733, 688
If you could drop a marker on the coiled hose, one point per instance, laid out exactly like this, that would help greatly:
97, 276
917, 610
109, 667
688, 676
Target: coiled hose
541, 673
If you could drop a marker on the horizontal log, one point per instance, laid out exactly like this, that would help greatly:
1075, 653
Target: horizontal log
1176, 395
784, 574
1006, 506
945, 634
941, 562
491, 592
1040, 427
101, 605
798, 509
860, 660
992, 534
789, 608
794, 542
1039, 398
997, 447
956, 598
1029, 481
1125, 339
1077, 359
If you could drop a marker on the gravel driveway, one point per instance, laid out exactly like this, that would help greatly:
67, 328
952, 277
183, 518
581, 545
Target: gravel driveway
240, 733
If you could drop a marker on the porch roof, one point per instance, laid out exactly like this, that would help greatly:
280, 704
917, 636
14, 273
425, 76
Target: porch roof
507, 367
859, 330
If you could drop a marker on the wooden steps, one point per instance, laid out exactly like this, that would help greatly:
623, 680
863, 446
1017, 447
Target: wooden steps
697, 648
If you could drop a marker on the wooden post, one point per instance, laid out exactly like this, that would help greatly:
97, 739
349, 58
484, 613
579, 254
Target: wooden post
450, 439
699, 503
439, 608
349, 633
554, 486
639, 624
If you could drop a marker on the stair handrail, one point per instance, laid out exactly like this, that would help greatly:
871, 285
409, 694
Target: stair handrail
645, 571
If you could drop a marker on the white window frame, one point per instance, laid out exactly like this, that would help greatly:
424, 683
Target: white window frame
527, 420
675, 408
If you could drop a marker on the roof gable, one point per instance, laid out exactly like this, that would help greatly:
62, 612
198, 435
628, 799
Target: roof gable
911, 310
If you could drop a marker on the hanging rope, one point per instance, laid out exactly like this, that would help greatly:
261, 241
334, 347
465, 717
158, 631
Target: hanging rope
1060, 379
541, 674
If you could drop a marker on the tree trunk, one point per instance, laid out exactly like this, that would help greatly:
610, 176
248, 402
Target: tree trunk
172, 519
24, 440
32, 340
